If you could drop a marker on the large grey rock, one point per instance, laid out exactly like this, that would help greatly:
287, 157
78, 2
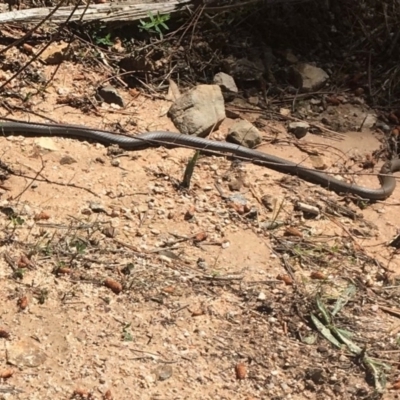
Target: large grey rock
307, 77
198, 111
244, 133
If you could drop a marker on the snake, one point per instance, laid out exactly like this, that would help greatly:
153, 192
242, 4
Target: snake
172, 140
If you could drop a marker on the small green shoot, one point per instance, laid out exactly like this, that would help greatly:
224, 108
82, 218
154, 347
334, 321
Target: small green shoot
187, 176
19, 273
42, 296
155, 24
100, 37
126, 335
79, 245
104, 41
17, 220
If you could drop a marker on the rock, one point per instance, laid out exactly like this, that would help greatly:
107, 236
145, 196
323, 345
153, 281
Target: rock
370, 121
290, 57
110, 95
163, 372
383, 126
253, 100
227, 85
245, 134
45, 143
25, 353
261, 296
173, 91
67, 160
96, 207
198, 111
299, 129
318, 162
285, 112
307, 77
225, 81
56, 53
243, 69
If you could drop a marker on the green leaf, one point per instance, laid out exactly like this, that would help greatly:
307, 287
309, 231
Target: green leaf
378, 374
325, 332
324, 311
310, 339
350, 345
344, 298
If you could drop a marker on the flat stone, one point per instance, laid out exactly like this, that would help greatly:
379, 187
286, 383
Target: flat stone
25, 353
245, 134
307, 77
110, 95
318, 162
56, 53
45, 143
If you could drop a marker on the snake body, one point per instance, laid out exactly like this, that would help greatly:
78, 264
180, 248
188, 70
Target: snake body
170, 139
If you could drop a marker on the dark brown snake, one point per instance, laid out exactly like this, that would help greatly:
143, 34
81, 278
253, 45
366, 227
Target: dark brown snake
170, 139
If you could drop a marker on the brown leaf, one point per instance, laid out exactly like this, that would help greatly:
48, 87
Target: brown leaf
108, 395
285, 278
396, 385
4, 334
333, 100
241, 371
28, 48
41, 216
200, 236
23, 302
6, 373
197, 313
190, 213
115, 286
169, 289
317, 275
359, 91
25, 262
291, 231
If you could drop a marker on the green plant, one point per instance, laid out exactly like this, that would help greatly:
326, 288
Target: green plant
101, 38
126, 335
104, 41
155, 24
79, 245
189, 170
17, 220
341, 338
19, 273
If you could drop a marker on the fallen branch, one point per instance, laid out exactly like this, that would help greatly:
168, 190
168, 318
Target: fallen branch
130, 10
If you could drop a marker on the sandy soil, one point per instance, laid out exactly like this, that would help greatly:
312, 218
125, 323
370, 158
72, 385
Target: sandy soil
200, 301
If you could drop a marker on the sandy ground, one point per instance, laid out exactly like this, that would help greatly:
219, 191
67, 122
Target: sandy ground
197, 274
